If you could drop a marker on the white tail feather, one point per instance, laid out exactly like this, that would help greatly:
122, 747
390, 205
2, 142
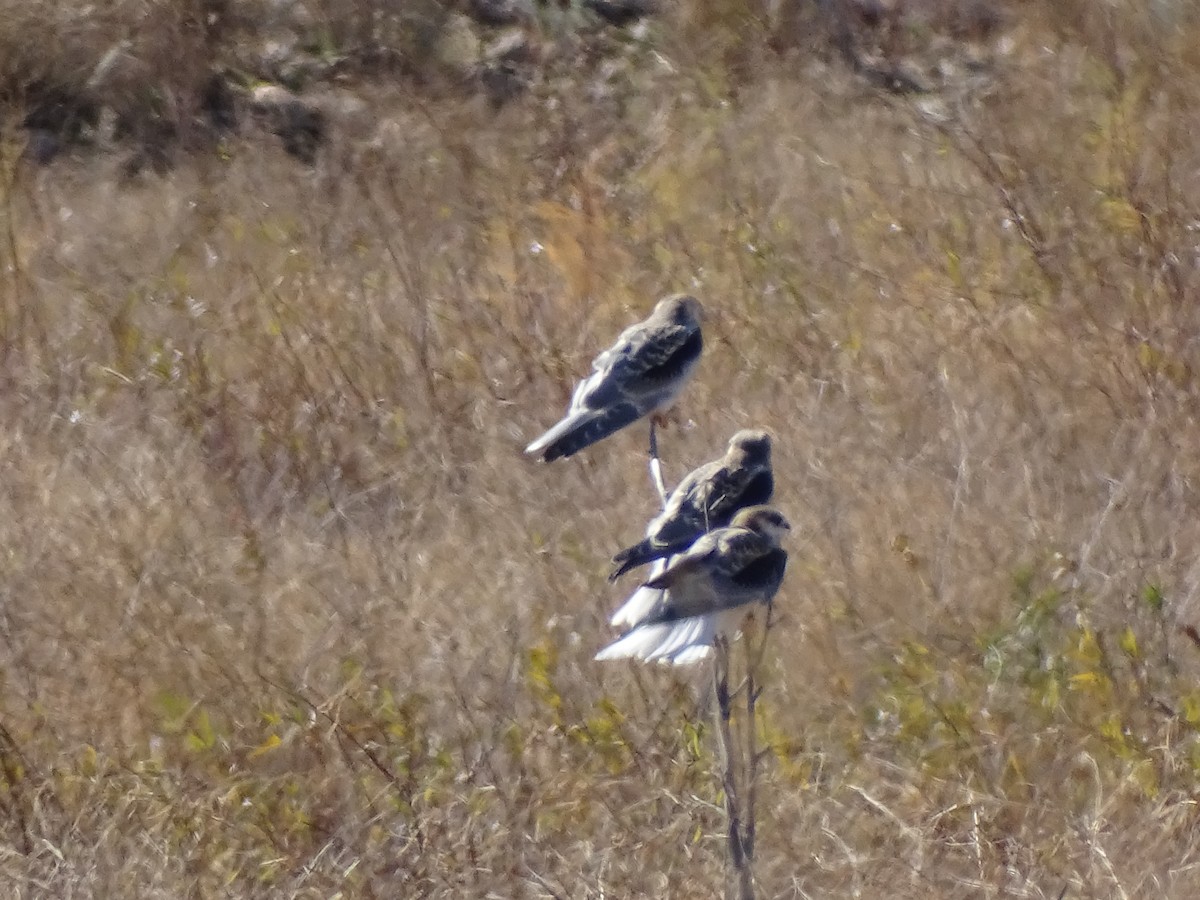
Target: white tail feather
637, 644
681, 643
683, 634
564, 426
690, 655
641, 602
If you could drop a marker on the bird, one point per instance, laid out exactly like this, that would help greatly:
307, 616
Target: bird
706, 499
640, 375
709, 590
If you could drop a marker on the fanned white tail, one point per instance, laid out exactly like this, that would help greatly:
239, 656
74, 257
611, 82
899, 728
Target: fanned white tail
680, 643
641, 602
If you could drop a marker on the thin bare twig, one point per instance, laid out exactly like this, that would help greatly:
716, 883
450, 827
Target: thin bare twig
735, 832
753, 688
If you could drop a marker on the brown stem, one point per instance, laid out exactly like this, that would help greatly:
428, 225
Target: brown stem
751, 748
739, 852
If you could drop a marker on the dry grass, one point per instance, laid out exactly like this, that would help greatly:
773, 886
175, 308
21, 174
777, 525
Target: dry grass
285, 613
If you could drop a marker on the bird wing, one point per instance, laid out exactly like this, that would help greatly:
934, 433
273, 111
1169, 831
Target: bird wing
736, 566
645, 358
706, 500
684, 519
667, 356
759, 489
675, 528
689, 564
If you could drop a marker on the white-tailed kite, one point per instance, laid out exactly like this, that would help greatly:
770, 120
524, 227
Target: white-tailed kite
708, 590
639, 375
705, 500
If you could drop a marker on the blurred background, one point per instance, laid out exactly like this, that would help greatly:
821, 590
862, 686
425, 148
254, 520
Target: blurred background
285, 287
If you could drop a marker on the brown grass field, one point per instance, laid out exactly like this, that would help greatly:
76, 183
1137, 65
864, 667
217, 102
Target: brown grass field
285, 612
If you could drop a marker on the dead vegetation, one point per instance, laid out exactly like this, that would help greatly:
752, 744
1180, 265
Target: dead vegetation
283, 612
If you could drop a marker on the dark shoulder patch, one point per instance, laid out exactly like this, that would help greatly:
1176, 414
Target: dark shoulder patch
674, 363
759, 490
765, 572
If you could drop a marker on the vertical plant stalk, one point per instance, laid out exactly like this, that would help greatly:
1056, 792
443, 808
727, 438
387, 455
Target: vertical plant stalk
753, 688
737, 829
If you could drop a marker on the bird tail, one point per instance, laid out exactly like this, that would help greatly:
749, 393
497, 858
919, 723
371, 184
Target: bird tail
546, 445
641, 603
631, 557
680, 643
582, 429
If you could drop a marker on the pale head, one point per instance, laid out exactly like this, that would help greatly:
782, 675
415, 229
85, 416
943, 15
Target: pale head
766, 520
680, 309
750, 448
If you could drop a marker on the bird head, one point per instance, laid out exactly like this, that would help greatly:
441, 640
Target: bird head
680, 309
751, 447
766, 520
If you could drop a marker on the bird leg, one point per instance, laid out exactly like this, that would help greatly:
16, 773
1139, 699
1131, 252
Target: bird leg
655, 463
669, 416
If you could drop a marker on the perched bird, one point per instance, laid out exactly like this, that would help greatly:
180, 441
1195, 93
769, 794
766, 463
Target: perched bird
708, 591
706, 499
639, 375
